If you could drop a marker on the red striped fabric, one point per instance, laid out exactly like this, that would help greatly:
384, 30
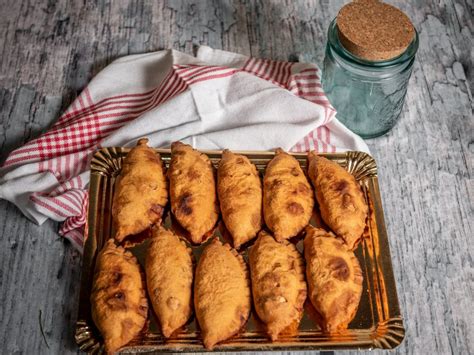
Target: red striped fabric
307, 85
65, 150
277, 73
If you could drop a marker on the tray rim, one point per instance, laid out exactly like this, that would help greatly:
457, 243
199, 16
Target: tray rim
389, 333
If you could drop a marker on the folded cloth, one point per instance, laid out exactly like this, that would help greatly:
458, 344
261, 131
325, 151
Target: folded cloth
215, 100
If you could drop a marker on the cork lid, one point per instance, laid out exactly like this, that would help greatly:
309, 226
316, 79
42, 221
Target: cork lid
373, 30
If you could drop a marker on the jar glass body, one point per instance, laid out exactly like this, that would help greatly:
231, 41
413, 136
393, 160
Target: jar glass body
367, 95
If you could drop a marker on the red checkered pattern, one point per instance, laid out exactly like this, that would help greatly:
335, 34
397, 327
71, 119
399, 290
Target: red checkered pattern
66, 149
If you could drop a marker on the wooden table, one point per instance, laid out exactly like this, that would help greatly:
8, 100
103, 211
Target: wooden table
50, 50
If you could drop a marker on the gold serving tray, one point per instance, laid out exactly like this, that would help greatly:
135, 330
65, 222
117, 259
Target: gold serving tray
377, 324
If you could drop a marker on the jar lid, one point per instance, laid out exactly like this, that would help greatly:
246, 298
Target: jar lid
373, 30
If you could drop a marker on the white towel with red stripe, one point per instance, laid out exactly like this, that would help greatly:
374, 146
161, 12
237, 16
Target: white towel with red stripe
215, 100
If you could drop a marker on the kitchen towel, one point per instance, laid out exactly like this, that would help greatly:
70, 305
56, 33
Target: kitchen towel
215, 100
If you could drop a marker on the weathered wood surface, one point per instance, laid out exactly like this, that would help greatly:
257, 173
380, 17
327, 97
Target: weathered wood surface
49, 51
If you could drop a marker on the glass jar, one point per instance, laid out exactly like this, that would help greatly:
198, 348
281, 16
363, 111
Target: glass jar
367, 95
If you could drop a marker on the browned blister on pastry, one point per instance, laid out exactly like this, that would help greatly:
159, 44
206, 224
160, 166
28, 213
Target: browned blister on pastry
169, 276
240, 197
340, 198
193, 191
221, 293
278, 283
140, 193
334, 278
119, 304
287, 196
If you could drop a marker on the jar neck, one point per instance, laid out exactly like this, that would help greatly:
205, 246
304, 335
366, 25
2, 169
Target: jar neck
366, 68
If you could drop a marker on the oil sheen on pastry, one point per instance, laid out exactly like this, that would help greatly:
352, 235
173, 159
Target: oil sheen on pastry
193, 191
278, 283
140, 193
119, 304
287, 196
334, 278
240, 197
341, 202
169, 276
221, 293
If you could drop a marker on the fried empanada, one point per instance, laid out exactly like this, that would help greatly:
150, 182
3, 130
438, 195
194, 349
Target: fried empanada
169, 276
334, 278
240, 197
119, 304
287, 196
221, 293
340, 198
140, 193
278, 283
193, 191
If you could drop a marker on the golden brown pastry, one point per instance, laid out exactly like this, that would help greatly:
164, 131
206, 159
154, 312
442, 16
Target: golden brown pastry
342, 204
221, 293
140, 193
278, 283
169, 276
287, 196
240, 196
193, 191
119, 304
334, 278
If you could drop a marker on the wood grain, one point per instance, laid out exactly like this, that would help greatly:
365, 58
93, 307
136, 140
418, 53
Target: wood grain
50, 50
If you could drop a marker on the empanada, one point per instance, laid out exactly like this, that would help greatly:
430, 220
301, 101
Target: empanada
287, 196
341, 202
334, 278
193, 191
140, 194
240, 197
221, 293
169, 276
119, 304
278, 283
